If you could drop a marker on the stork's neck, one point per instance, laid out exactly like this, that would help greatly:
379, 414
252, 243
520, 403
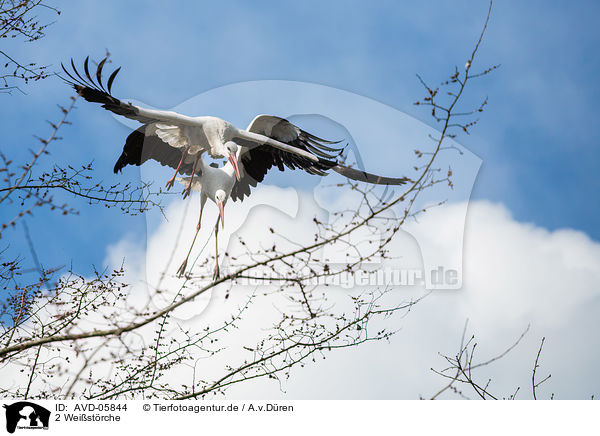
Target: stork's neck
229, 170
222, 177
201, 163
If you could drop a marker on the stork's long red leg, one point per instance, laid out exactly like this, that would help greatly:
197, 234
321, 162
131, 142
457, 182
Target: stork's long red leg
183, 266
188, 188
171, 181
181, 270
216, 272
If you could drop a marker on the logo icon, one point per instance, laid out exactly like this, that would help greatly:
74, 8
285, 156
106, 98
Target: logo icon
26, 415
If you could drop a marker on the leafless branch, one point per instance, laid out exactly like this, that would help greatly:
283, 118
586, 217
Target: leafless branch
98, 322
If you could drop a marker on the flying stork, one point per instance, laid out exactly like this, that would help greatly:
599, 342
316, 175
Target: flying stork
178, 141
220, 184
214, 183
188, 137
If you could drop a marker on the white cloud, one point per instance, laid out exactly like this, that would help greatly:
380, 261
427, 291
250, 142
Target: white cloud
515, 274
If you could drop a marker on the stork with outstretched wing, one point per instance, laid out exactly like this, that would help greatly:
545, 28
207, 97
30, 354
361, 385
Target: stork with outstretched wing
178, 141
220, 184
187, 137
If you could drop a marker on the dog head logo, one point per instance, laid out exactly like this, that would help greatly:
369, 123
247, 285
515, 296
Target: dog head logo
25, 414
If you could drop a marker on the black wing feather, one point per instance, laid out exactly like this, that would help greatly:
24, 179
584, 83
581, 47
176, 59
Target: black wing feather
140, 148
112, 78
258, 160
99, 73
93, 90
82, 80
86, 66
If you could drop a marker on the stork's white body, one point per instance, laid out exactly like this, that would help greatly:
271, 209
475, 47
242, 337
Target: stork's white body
211, 181
216, 184
205, 133
194, 134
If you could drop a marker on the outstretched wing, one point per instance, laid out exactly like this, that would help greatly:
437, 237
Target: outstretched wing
140, 147
257, 160
316, 158
93, 90
282, 130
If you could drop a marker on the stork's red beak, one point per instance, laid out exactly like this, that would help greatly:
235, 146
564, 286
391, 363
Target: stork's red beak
233, 159
222, 213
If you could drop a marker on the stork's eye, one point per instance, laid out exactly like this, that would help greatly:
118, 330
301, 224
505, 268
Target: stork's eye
232, 146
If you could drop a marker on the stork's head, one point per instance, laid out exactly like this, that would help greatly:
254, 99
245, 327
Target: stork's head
220, 199
232, 149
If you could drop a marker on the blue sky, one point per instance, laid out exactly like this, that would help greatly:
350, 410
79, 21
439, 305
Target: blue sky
537, 137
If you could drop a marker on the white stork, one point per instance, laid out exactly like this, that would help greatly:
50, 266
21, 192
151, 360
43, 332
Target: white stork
214, 183
220, 184
186, 136
178, 141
